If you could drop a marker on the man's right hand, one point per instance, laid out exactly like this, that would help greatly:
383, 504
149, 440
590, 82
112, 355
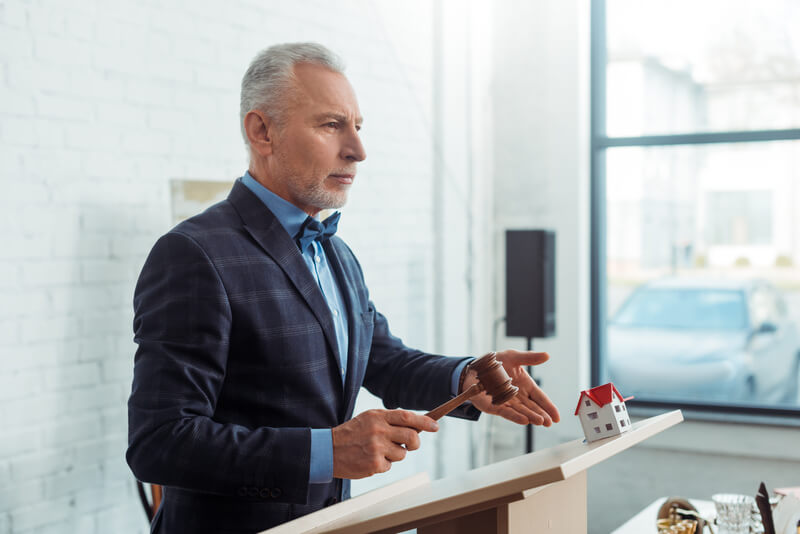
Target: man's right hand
371, 441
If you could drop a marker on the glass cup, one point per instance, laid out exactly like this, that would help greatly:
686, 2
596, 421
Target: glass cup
734, 513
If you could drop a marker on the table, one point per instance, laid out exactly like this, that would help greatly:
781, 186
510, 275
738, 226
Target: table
645, 521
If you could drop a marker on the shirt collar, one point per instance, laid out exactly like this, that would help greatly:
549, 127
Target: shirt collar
290, 216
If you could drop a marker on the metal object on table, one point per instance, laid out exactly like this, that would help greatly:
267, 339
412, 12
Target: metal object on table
676, 510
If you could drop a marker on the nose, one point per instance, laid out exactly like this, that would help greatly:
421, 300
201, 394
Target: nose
352, 149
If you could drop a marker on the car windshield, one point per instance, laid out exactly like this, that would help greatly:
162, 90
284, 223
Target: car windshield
711, 309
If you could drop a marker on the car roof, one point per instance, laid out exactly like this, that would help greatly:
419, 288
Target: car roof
705, 282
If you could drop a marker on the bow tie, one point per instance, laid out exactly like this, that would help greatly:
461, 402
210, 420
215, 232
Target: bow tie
313, 230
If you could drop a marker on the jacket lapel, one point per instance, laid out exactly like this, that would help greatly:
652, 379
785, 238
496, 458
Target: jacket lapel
268, 232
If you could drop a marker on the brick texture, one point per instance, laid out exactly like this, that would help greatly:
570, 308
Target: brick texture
101, 104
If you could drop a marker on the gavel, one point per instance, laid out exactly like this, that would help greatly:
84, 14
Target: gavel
492, 379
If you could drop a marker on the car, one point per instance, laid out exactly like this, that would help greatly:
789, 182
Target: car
696, 339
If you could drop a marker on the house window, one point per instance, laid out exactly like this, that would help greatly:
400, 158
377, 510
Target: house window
587, 403
592, 415
679, 202
624, 409
597, 430
617, 408
622, 423
609, 426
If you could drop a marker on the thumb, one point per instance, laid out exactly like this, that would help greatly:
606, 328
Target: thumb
532, 358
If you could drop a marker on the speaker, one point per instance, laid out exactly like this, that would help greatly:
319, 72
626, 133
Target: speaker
530, 283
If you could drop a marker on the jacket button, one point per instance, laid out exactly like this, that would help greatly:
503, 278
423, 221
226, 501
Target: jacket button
242, 492
252, 492
264, 493
275, 493
331, 501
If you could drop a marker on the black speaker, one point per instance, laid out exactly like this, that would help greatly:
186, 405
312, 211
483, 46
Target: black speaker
530, 283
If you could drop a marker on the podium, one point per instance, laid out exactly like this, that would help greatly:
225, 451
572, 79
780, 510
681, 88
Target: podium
544, 491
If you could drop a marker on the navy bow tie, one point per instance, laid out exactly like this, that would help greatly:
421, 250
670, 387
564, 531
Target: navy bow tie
313, 230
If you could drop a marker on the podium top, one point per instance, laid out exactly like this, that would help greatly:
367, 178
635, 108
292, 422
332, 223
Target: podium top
491, 485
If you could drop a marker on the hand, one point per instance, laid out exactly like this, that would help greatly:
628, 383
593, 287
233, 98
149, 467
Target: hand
531, 405
371, 441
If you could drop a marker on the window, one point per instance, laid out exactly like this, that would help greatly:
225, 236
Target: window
609, 426
696, 204
739, 217
622, 423
597, 430
587, 403
617, 408
592, 415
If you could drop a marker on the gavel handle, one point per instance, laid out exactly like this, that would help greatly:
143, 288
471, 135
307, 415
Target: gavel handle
455, 402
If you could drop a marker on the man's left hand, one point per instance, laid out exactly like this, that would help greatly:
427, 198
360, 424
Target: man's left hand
531, 405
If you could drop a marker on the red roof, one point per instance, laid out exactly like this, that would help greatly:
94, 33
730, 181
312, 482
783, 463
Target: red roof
601, 395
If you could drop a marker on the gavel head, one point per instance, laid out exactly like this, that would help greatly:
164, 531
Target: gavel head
494, 379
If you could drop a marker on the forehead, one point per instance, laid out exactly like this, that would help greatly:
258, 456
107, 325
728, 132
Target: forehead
321, 90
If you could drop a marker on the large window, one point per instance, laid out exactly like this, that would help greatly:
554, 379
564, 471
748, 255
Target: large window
696, 203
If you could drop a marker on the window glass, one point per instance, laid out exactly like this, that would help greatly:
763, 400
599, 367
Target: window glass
687, 66
703, 272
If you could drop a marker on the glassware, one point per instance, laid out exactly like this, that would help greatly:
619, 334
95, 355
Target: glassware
734, 513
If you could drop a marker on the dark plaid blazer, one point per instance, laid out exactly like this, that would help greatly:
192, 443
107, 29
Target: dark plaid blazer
237, 361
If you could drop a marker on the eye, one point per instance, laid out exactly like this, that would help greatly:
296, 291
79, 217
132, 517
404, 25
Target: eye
334, 125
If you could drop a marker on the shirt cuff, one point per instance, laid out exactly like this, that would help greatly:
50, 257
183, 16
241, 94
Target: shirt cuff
321, 468
457, 375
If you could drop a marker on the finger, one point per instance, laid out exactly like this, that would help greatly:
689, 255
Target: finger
512, 415
532, 405
404, 436
534, 416
531, 358
536, 395
411, 420
383, 465
395, 453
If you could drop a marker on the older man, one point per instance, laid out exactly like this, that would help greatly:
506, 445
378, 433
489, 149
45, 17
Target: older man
256, 331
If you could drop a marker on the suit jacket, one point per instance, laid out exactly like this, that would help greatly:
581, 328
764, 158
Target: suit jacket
237, 361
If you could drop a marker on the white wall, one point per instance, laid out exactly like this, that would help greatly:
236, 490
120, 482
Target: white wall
541, 179
101, 104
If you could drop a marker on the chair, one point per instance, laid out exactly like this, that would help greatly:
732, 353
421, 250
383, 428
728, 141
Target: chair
150, 505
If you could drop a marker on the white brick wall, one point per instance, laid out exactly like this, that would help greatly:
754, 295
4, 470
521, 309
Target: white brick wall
101, 104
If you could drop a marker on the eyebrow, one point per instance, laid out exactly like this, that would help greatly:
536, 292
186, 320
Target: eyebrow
339, 117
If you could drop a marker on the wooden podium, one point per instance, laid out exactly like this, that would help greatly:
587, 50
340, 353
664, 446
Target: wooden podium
544, 491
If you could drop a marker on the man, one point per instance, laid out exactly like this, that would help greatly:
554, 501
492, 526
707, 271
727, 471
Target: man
256, 331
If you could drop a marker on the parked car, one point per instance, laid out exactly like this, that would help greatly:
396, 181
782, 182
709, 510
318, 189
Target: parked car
700, 339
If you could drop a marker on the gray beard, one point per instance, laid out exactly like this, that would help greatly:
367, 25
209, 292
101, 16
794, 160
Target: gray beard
321, 199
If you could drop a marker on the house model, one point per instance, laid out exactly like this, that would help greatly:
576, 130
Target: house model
602, 412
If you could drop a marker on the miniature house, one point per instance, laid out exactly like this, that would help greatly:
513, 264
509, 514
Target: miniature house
602, 412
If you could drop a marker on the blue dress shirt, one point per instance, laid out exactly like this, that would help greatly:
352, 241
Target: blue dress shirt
291, 218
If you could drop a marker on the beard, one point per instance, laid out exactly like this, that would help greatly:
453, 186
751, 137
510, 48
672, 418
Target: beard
308, 187
312, 192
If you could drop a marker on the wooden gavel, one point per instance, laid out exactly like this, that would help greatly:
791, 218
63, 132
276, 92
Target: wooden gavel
492, 379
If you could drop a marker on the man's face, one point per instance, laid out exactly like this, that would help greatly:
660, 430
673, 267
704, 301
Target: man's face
317, 149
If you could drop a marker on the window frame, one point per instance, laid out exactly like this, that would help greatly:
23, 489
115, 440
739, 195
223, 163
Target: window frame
600, 142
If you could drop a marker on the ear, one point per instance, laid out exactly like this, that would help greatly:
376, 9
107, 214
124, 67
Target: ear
260, 131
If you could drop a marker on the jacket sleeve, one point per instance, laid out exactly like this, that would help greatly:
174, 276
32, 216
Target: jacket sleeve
407, 378
182, 324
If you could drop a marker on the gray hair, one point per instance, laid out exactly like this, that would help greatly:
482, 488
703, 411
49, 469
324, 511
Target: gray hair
269, 78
